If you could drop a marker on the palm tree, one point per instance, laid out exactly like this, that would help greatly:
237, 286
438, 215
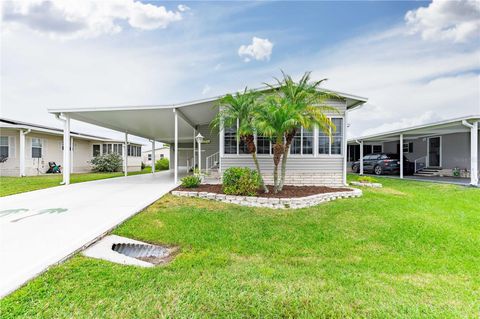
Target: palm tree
308, 106
240, 107
273, 119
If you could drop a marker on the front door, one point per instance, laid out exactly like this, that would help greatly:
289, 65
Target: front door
434, 152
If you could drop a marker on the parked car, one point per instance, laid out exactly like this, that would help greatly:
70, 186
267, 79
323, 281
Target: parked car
384, 163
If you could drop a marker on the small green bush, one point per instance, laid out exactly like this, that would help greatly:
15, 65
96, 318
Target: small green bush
191, 181
142, 167
366, 179
241, 181
162, 164
107, 163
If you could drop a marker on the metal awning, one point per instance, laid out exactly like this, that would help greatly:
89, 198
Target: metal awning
437, 128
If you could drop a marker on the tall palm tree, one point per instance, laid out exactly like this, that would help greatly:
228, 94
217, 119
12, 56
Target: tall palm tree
240, 107
273, 119
308, 105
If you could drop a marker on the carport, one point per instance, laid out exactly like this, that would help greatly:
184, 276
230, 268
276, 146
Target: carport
172, 124
431, 144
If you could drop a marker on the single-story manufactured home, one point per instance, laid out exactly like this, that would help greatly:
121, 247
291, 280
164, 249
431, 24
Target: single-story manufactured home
446, 148
315, 160
28, 148
160, 152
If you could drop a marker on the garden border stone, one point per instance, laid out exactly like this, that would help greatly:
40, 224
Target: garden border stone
272, 202
374, 185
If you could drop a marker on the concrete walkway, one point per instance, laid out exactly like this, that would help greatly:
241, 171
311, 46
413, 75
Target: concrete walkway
41, 228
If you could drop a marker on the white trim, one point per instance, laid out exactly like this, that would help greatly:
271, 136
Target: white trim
401, 155
428, 151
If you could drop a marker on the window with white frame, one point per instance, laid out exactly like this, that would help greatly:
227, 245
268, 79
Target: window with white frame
408, 147
230, 140
376, 148
263, 145
333, 145
96, 150
110, 148
4, 146
36, 148
149, 157
302, 143
135, 151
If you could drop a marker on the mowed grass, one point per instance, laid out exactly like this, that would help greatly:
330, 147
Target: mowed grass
408, 250
15, 185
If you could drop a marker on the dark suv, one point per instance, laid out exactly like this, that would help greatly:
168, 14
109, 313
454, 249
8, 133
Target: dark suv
383, 163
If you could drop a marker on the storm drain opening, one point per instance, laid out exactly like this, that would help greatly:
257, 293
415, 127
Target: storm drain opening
127, 251
149, 253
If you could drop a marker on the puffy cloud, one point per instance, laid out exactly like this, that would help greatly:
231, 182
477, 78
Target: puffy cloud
458, 21
260, 49
183, 8
85, 19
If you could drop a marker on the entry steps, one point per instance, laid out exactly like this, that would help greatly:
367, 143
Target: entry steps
428, 172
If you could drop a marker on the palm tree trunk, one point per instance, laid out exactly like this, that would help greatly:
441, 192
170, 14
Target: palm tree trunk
288, 141
262, 183
252, 149
278, 149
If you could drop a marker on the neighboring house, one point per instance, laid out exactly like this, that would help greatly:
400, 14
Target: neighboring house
161, 152
316, 159
38, 145
440, 148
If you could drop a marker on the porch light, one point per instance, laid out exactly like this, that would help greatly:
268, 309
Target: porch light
199, 138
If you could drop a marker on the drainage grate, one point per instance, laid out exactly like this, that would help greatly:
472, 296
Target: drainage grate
142, 252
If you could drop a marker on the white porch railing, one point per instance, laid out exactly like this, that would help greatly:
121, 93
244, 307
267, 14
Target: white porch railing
212, 161
420, 163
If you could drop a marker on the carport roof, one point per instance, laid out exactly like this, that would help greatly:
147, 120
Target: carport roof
156, 122
437, 128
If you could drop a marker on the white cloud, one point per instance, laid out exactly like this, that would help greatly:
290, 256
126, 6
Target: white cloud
183, 8
84, 19
458, 21
260, 49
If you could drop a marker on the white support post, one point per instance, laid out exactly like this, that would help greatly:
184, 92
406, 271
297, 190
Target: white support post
72, 149
474, 154
176, 148
194, 149
401, 155
345, 149
66, 150
22, 152
125, 156
153, 156
361, 157
200, 158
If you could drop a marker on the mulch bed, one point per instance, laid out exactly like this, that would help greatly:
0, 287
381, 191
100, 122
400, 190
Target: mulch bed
287, 192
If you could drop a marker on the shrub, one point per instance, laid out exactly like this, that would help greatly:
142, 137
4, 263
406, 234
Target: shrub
191, 181
366, 179
142, 167
107, 163
162, 164
241, 181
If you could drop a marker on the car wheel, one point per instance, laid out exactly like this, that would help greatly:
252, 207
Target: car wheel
378, 170
355, 169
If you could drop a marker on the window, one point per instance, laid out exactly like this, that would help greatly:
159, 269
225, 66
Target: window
4, 146
96, 150
104, 149
242, 147
133, 150
334, 144
408, 147
36, 148
337, 136
230, 140
302, 143
263, 145
162, 155
149, 157
377, 148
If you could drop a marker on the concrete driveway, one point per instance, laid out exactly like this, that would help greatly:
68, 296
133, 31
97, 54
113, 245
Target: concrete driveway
41, 228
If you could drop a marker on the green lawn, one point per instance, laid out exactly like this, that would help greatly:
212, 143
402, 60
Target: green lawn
408, 250
15, 185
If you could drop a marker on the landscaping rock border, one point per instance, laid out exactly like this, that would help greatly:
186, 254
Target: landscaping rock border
374, 185
276, 203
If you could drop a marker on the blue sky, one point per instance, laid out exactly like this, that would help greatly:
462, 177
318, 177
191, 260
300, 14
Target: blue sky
416, 61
